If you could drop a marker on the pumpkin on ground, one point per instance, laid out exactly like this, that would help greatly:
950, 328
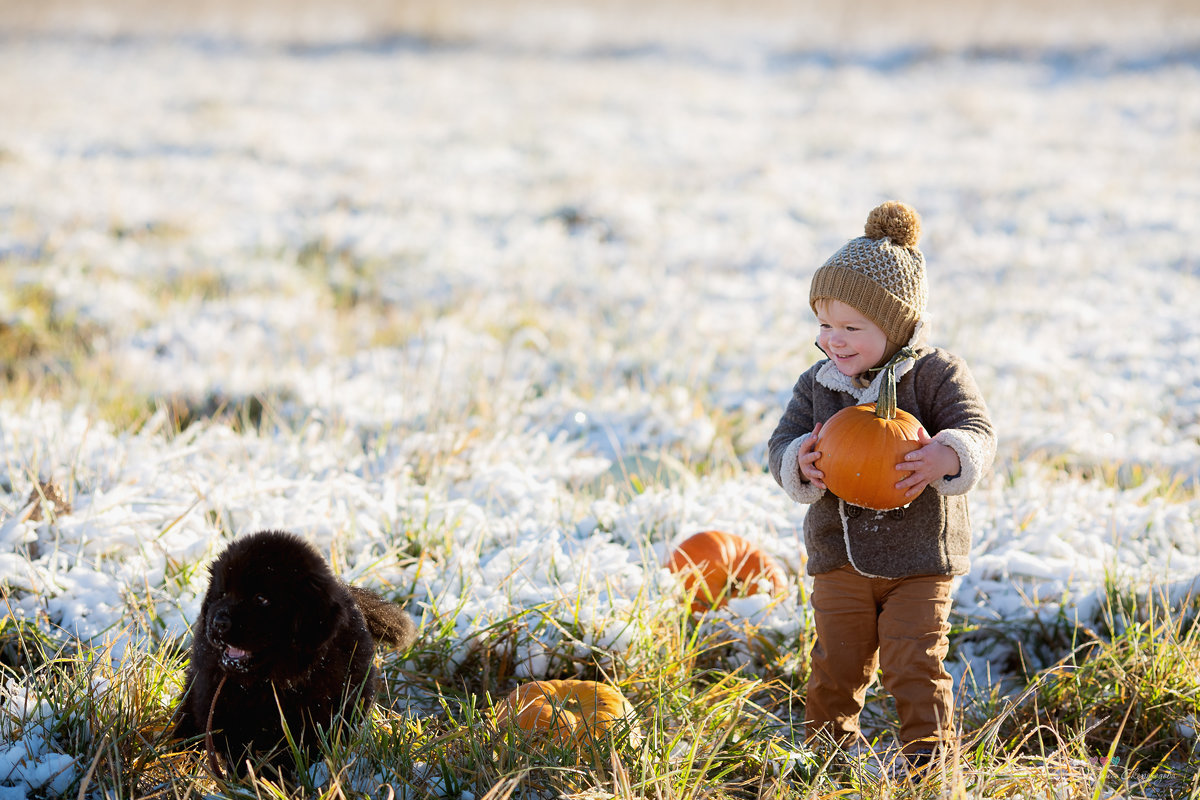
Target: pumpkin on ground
716, 565
570, 711
861, 445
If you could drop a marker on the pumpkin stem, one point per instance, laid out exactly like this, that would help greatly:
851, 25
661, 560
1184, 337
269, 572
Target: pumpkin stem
885, 406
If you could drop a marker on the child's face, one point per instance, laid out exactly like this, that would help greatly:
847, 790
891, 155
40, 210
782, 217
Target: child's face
854, 342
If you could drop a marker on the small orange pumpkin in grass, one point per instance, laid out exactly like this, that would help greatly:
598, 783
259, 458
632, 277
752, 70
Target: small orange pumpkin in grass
717, 565
861, 446
570, 711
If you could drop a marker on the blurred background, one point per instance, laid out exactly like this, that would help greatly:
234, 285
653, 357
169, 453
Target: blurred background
782, 23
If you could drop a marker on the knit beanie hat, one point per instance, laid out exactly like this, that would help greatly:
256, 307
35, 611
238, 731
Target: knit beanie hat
881, 274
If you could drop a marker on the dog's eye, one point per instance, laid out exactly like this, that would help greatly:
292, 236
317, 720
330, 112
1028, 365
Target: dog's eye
262, 599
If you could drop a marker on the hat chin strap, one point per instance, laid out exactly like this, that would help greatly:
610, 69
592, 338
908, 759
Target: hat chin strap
892, 355
863, 379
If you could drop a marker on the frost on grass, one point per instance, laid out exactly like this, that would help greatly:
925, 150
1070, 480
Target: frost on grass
29, 756
518, 322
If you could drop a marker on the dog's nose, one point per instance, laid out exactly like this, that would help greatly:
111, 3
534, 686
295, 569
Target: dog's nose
220, 622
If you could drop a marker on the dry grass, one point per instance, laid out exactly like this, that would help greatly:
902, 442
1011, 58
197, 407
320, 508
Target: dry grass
707, 731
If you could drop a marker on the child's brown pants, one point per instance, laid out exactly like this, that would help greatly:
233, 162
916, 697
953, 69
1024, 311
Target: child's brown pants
900, 624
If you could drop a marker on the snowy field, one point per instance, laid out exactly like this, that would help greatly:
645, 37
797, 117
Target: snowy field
476, 281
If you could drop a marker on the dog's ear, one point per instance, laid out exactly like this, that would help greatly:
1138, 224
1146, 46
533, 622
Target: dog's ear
318, 611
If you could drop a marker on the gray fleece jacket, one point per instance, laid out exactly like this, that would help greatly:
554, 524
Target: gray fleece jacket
931, 535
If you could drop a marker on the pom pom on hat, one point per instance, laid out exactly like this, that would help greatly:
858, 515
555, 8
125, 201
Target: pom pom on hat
895, 221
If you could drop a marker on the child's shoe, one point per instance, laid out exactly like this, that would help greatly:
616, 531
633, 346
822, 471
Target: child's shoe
922, 765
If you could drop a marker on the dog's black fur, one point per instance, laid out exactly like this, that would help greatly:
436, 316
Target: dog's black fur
280, 637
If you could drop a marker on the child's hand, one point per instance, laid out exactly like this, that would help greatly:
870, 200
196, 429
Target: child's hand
807, 458
931, 461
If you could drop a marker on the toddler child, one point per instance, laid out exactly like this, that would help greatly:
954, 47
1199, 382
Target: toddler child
881, 586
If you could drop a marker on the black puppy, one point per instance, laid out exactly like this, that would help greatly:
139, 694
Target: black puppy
280, 640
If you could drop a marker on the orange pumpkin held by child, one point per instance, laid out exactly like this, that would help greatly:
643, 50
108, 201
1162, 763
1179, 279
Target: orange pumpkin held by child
716, 565
569, 711
861, 446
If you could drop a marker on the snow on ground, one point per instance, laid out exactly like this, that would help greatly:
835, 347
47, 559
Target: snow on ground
476, 281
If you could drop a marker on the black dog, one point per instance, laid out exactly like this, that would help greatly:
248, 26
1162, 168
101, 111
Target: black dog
280, 640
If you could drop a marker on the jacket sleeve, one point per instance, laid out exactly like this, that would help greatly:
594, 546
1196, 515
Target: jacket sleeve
794, 427
955, 415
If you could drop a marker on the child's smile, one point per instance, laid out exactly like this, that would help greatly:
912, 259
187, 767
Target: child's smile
851, 340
